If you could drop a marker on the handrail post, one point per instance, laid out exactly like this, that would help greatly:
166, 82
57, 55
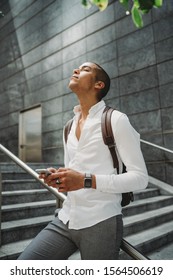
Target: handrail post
0, 203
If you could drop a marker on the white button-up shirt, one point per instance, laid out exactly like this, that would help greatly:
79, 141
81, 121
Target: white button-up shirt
86, 207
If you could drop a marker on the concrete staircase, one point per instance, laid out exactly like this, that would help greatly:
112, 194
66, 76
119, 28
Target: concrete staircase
27, 207
148, 222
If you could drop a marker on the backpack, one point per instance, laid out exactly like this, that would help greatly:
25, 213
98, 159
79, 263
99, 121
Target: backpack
109, 140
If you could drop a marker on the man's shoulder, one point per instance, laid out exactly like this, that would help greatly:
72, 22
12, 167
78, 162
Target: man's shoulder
116, 114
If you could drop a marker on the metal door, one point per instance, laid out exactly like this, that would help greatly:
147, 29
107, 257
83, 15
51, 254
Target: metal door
30, 135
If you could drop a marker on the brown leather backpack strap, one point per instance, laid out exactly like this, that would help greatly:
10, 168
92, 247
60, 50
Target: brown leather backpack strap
108, 136
67, 129
109, 140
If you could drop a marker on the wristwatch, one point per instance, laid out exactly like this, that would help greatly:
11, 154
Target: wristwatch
88, 180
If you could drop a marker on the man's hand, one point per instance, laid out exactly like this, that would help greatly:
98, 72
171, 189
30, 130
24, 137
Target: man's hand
65, 179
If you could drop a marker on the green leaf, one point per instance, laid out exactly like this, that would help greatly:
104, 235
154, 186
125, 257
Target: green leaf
86, 4
158, 3
136, 3
146, 4
137, 17
145, 11
123, 1
101, 4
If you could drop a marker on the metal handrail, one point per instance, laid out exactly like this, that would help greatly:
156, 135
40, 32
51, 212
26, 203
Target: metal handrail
132, 251
157, 146
31, 172
125, 246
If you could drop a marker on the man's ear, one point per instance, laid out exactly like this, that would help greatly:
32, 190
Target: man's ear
99, 85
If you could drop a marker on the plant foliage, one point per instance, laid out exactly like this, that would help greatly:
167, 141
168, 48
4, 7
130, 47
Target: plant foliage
138, 7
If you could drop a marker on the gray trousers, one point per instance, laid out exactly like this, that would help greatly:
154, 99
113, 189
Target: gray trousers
57, 242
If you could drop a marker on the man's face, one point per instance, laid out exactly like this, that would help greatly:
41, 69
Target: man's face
83, 78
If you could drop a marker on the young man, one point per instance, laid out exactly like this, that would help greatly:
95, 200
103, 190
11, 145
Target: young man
90, 219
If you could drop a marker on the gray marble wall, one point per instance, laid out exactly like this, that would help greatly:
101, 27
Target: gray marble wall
42, 41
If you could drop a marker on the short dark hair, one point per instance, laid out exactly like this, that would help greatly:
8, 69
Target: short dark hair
101, 75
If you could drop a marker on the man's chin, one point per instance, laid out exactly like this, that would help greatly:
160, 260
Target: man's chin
72, 85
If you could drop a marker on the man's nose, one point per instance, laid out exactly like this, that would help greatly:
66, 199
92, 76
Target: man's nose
76, 71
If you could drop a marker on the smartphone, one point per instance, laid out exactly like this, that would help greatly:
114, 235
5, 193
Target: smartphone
43, 171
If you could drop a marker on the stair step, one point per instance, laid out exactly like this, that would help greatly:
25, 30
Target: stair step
151, 239
23, 184
23, 229
25, 222
10, 166
146, 193
13, 250
143, 221
24, 196
147, 204
15, 175
164, 252
27, 210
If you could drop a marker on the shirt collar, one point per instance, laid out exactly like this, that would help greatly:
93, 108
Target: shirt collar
93, 110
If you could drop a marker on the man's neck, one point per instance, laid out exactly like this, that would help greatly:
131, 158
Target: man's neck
85, 107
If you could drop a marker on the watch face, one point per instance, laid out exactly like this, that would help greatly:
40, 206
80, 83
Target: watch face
88, 183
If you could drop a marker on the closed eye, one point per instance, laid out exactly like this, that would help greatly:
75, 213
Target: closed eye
85, 68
